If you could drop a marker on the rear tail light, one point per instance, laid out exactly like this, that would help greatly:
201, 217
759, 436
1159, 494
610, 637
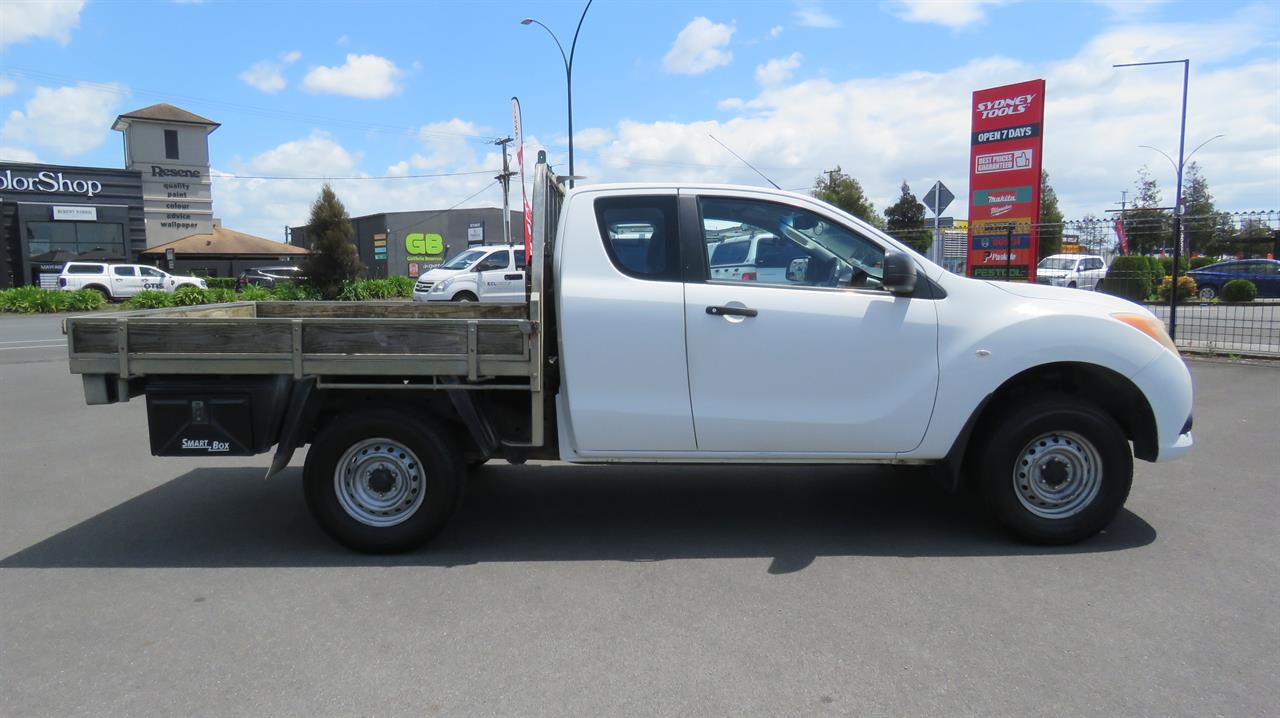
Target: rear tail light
62, 281
748, 276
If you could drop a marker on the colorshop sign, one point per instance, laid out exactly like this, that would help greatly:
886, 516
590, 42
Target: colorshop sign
1004, 180
48, 182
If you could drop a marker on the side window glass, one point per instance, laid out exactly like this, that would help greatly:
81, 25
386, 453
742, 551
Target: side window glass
123, 271
772, 243
497, 260
520, 263
149, 272
640, 235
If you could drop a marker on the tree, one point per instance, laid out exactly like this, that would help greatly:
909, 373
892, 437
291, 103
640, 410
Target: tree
1050, 219
905, 221
839, 189
333, 259
1148, 228
1200, 219
1095, 234
1255, 238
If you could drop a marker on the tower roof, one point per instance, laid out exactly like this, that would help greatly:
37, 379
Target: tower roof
164, 112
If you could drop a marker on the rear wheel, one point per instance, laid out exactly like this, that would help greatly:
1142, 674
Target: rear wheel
1098, 287
1071, 285
1054, 471
1208, 293
382, 481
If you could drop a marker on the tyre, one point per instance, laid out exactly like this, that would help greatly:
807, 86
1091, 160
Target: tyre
1054, 471
1208, 292
100, 290
464, 297
382, 481
1071, 285
1098, 287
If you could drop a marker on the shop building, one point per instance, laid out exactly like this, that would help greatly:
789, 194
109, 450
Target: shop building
406, 244
221, 252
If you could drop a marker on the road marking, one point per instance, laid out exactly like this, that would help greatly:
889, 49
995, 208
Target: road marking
35, 346
34, 341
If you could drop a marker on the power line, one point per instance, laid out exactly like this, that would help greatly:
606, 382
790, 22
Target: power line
458, 204
364, 177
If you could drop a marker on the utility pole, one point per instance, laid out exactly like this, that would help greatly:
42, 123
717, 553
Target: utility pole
505, 179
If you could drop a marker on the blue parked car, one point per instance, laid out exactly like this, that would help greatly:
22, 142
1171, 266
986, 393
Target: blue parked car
1264, 273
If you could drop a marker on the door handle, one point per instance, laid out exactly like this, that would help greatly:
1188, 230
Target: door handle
513, 276
731, 312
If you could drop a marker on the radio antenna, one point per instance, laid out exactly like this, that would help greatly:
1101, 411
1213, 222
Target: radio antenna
753, 167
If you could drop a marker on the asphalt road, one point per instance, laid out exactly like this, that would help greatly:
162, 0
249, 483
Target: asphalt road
133, 585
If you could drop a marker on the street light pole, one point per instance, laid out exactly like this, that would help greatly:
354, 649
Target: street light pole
1177, 207
568, 72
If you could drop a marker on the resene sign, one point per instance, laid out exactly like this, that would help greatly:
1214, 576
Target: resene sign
48, 181
1004, 180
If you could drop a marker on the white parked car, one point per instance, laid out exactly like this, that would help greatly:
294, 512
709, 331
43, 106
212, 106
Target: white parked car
121, 281
1075, 271
481, 274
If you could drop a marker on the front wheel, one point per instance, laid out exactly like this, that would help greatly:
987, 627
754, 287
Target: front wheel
1055, 471
382, 481
464, 297
1208, 293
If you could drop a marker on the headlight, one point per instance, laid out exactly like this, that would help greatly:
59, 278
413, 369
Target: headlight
1150, 326
440, 287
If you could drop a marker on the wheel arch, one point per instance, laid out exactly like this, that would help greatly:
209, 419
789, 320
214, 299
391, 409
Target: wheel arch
1109, 390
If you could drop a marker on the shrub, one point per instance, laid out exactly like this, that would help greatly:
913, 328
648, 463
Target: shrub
33, 300
1239, 290
150, 299
293, 292
403, 285
369, 289
1128, 277
221, 282
219, 295
1198, 262
355, 292
84, 300
1166, 265
189, 296
1186, 288
254, 293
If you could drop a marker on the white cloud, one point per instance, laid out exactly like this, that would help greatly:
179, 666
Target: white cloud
18, 154
265, 76
363, 76
317, 155
916, 124
343, 41
591, 138
699, 47
7, 86
1129, 9
291, 57
954, 14
775, 31
71, 120
25, 20
778, 70
811, 14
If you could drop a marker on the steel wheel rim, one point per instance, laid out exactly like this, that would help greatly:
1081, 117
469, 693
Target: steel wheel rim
379, 482
1057, 474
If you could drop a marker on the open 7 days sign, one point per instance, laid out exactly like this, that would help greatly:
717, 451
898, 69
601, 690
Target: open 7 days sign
1004, 180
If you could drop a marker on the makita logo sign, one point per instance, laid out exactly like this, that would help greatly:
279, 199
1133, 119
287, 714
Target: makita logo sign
1005, 106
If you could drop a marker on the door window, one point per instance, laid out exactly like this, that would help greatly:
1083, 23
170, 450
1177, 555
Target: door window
497, 260
149, 272
520, 263
769, 243
639, 234
123, 271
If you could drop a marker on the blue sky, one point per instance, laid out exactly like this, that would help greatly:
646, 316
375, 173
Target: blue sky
341, 89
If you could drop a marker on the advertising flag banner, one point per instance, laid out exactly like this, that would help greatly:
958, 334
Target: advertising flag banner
1124, 238
1004, 180
524, 195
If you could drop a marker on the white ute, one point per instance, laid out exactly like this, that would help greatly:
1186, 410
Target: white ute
121, 281
633, 348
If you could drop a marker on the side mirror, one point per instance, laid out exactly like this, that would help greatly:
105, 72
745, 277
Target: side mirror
899, 273
798, 270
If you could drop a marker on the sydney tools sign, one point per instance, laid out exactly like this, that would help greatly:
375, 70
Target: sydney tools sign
1004, 180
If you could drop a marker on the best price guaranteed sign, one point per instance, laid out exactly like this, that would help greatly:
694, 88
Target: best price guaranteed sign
1004, 180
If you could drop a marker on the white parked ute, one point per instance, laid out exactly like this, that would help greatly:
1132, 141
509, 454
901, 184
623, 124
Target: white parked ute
1074, 271
631, 350
121, 281
481, 274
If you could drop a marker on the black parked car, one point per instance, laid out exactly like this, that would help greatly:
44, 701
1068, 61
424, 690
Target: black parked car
268, 277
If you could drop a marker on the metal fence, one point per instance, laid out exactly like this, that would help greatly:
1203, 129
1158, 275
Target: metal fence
1204, 319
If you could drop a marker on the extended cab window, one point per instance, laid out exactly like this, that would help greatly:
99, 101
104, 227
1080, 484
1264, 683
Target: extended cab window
639, 234
770, 243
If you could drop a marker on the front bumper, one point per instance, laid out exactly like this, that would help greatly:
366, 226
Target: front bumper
1166, 382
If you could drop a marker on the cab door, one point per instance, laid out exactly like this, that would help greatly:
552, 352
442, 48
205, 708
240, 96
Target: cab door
125, 281
821, 364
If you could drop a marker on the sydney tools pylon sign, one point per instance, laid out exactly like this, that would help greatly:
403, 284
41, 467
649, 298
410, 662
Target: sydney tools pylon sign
1004, 180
